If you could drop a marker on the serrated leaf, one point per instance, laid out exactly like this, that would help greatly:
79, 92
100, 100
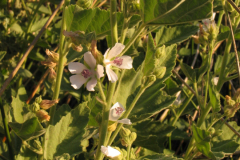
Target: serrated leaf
202, 141
71, 133
167, 36
28, 130
100, 20
162, 12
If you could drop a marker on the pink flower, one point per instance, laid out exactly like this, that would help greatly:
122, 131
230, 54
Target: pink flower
115, 113
111, 59
84, 74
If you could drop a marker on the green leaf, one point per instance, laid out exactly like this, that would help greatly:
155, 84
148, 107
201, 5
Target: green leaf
36, 56
38, 24
148, 106
195, 75
214, 97
17, 28
2, 54
71, 134
162, 12
159, 157
225, 146
74, 55
61, 112
22, 94
167, 36
28, 130
202, 141
24, 73
94, 20
26, 154
152, 128
186, 52
171, 86
4, 150
150, 59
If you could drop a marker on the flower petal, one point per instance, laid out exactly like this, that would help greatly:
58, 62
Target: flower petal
110, 152
115, 51
76, 67
125, 121
99, 71
106, 53
77, 81
213, 16
111, 75
89, 59
126, 63
91, 84
116, 111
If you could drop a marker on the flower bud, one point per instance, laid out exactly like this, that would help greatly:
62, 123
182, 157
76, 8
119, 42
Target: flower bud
212, 130
34, 107
52, 55
37, 144
84, 3
229, 101
148, 80
160, 52
52, 76
38, 99
46, 104
160, 72
133, 137
124, 132
112, 127
78, 48
42, 115
230, 111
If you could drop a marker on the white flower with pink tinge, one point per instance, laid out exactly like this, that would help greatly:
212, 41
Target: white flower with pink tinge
110, 152
115, 113
84, 74
208, 22
111, 59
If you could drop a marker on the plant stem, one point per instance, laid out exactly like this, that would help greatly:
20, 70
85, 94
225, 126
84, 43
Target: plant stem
183, 107
134, 37
101, 92
221, 13
6, 129
125, 21
126, 114
129, 152
111, 88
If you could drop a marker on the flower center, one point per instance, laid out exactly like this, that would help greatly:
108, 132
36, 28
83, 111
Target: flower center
119, 110
118, 61
86, 73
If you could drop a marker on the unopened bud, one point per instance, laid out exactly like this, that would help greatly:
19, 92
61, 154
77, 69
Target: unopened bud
34, 107
37, 144
52, 76
78, 48
46, 104
150, 80
230, 111
229, 101
42, 115
160, 52
160, 72
212, 130
112, 127
38, 99
52, 55
133, 137
48, 63
124, 132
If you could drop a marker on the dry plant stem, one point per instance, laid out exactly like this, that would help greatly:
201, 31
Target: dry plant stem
93, 3
102, 3
234, 6
4, 86
234, 45
38, 85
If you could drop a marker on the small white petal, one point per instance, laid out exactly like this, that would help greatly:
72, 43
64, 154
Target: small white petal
115, 51
100, 71
213, 16
110, 152
125, 121
89, 59
106, 53
215, 80
126, 63
115, 110
77, 81
111, 74
91, 84
76, 67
